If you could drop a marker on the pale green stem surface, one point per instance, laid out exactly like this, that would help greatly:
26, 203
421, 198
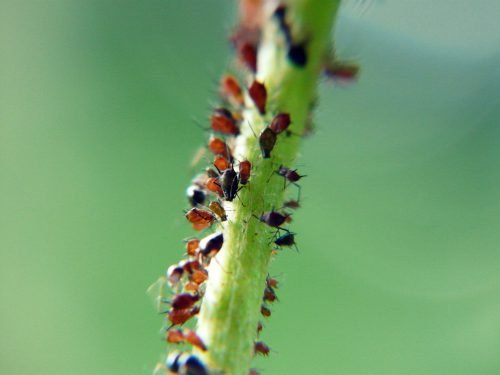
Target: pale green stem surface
231, 306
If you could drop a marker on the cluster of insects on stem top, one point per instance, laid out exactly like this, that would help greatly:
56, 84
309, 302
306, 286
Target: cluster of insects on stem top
221, 182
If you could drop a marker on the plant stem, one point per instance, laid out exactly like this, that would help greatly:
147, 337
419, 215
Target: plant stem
231, 306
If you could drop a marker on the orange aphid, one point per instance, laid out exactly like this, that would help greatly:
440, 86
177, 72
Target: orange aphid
258, 94
230, 90
218, 147
175, 336
213, 185
191, 286
179, 317
221, 163
217, 209
198, 276
191, 246
200, 219
223, 121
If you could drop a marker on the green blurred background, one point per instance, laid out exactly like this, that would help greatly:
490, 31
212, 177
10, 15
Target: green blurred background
399, 269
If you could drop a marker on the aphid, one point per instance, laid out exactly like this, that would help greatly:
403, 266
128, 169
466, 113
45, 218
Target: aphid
280, 15
341, 71
218, 147
179, 317
280, 123
191, 246
258, 94
293, 204
223, 121
229, 184
288, 239
192, 365
259, 327
210, 173
200, 219
174, 275
221, 163
269, 295
217, 209
198, 276
271, 282
244, 171
253, 371
267, 140
297, 54
191, 286
213, 185
247, 53
230, 90
175, 336
261, 348
265, 311
211, 244
291, 176
195, 340
190, 265
274, 219
195, 195
183, 301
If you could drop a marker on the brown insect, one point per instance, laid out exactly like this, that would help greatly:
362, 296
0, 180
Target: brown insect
274, 219
175, 336
258, 93
179, 336
179, 317
253, 371
230, 90
269, 295
259, 327
244, 171
223, 121
341, 71
198, 277
229, 183
293, 204
247, 54
183, 301
218, 210
191, 246
271, 282
265, 311
213, 185
267, 140
261, 348
280, 123
200, 219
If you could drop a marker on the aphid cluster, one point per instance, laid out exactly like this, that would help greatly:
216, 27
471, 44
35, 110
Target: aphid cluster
219, 183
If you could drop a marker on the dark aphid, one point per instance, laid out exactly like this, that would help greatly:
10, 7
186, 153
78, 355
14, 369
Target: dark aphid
230, 90
229, 184
291, 176
175, 336
273, 218
174, 275
196, 196
271, 282
269, 295
259, 327
190, 265
195, 340
247, 53
218, 210
258, 94
192, 365
179, 317
183, 301
218, 147
267, 140
341, 71
244, 171
213, 185
265, 311
223, 121
200, 219
288, 239
261, 348
192, 246
280, 123
297, 54
280, 13
253, 371
293, 204
221, 163
211, 244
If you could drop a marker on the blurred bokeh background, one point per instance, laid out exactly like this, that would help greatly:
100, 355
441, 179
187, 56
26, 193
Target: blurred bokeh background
399, 269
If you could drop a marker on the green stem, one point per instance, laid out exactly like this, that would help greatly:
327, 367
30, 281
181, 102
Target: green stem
231, 306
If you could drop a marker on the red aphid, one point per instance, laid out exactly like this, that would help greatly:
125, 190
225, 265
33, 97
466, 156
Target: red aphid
218, 147
198, 276
293, 204
175, 336
244, 171
258, 94
280, 123
269, 295
230, 90
200, 219
273, 218
221, 163
195, 340
213, 185
191, 246
290, 174
342, 71
184, 301
179, 317
271, 282
223, 121
265, 311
